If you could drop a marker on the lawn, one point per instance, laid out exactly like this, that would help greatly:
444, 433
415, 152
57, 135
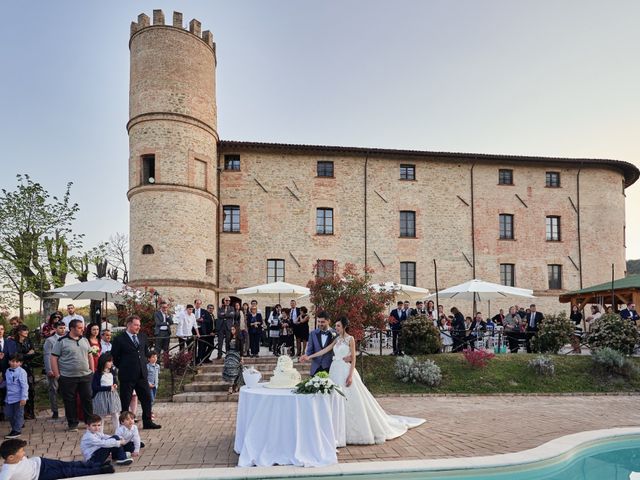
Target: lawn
504, 374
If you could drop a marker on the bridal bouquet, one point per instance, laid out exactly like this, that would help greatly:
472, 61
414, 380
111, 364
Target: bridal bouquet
319, 383
94, 351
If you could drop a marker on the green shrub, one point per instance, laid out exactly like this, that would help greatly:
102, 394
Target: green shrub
542, 365
613, 332
612, 361
554, 332
410, 371
420, 336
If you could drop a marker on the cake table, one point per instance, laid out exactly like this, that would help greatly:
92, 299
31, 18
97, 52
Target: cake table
279, 427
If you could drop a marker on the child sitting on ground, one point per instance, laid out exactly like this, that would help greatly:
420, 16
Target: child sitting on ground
15, 381
18, 467
128, 431
97, 447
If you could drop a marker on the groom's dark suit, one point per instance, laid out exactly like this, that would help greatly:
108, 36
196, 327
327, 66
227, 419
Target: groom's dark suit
322, 363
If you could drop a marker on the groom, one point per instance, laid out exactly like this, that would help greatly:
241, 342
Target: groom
319, 339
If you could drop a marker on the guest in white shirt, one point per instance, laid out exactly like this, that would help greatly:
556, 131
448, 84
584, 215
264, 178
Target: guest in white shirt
105, 341
105, 324
72, 315
18, 467
128, 431
186, 326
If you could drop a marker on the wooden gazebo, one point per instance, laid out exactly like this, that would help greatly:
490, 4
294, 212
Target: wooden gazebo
623, 290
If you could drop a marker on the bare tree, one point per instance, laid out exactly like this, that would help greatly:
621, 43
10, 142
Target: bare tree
118, 256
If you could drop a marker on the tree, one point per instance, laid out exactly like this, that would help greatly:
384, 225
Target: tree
35, 237
117, 254
350, 294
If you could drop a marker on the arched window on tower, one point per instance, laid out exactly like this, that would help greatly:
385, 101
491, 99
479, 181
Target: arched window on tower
147, 249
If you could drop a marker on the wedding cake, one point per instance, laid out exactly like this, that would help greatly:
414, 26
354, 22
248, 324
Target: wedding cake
284, 375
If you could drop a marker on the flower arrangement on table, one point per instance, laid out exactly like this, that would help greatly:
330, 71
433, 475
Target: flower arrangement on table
319, 383
94, 351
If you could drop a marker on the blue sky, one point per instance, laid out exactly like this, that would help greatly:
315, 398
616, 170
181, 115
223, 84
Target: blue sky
529, 77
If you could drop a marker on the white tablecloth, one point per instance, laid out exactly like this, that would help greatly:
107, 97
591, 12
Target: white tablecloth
278, 427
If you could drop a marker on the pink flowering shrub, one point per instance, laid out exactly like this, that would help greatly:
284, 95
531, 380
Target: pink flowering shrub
477, 358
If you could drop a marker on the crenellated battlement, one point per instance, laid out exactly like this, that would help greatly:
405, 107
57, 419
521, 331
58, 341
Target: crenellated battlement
195, 27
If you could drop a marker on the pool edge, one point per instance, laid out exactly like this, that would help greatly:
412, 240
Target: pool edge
556, 449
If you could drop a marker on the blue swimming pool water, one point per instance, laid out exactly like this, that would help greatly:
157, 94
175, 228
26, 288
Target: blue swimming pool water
610, 460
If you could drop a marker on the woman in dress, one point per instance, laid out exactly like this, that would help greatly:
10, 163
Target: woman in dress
49, 327
21, 343
92, 332
445, 334
244, 331
576, 318
366, 422
254, 323
273, 325
233, 361
302, 335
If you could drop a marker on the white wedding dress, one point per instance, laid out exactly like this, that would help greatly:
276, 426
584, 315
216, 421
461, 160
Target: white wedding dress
366, 422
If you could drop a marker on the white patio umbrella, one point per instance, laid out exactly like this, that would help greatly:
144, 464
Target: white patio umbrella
275, 288
401, 291
102, 289
99, 289
480, 290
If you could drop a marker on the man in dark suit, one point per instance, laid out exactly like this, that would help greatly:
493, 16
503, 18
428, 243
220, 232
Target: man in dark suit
630, 313
129, 352
533, 320
396, 318
162, 328
205, 327
319, 339
224, 322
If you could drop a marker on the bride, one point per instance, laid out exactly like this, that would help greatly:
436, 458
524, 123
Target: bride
367, 422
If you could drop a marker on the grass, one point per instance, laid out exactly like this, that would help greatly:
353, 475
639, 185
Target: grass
504, 374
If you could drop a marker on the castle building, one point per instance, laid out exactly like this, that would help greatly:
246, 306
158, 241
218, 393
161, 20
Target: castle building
209, 216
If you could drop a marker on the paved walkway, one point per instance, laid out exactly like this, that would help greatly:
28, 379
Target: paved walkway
201, 435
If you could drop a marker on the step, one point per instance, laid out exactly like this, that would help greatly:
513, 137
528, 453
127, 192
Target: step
301, 367
205, 397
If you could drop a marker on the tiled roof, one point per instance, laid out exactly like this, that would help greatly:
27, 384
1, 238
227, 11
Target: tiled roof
630, 171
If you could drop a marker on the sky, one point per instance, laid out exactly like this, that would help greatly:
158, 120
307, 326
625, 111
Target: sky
526, 78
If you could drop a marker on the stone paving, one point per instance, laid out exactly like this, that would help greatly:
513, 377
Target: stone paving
201, 435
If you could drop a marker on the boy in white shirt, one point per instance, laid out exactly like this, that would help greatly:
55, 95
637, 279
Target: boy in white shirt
18, 467
97, 447
128, 431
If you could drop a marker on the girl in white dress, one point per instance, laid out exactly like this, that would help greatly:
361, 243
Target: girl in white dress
367, 422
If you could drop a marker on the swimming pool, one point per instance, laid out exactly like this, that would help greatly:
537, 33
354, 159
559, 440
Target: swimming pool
612, 454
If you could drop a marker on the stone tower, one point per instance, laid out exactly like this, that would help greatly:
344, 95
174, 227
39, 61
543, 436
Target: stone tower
173, 193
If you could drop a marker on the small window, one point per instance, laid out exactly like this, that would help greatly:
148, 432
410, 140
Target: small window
506, 226
407, 224
148, 169
324, 268
275, 270
232, 162
552, 179
553, 229
147, 249
407, 172
555, 277
408, 273
324, 221
324, 169
508, 274
505, 177
209, 267
231, 218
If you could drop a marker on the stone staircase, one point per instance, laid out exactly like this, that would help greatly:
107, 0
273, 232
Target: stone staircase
209, 386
